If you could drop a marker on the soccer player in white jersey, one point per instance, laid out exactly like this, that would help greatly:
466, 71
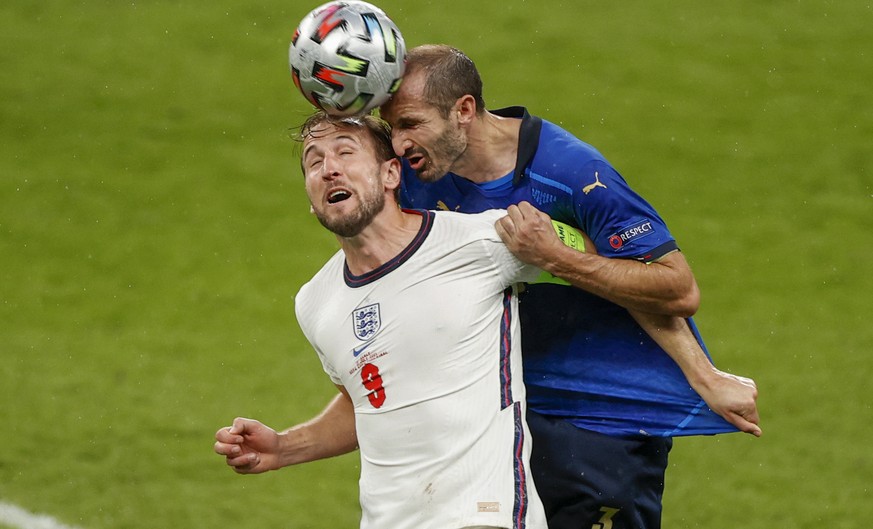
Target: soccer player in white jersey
415, 322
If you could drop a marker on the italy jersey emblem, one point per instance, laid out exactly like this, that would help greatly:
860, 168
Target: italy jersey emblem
367, 321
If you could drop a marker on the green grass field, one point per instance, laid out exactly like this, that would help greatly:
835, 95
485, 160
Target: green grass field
153, 233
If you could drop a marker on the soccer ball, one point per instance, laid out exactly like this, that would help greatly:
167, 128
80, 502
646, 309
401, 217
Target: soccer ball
347, 57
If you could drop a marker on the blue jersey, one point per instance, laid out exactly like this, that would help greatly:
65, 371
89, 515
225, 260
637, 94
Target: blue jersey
585, 359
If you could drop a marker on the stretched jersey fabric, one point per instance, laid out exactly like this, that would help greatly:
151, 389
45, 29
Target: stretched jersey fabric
585, 359
428, 348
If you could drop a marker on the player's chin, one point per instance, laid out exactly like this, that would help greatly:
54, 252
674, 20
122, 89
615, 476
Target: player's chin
344, 224
334, 214
428, 173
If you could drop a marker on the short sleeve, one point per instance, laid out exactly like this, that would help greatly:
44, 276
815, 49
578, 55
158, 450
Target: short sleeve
305, 318
618, 220
509, 267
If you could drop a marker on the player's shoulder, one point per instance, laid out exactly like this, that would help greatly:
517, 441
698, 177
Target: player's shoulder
466, 229
326, 276
476, 224
558, 148
472, 238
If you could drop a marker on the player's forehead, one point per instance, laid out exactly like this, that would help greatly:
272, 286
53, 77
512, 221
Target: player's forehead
408, 101
327, 135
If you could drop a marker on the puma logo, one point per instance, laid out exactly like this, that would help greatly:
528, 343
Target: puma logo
589, 188
442, 206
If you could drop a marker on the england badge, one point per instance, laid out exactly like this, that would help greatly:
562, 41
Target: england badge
367, 321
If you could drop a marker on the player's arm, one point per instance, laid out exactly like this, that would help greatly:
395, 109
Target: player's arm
330, 433
250, 447
731, 396
666, 286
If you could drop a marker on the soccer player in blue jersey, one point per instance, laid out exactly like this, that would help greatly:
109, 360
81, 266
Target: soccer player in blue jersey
615, 368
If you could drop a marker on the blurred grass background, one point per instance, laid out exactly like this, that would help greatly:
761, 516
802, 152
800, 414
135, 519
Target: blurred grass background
153, 232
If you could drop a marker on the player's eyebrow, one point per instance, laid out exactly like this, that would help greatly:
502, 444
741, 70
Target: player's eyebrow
408, 121
308, 149
339, 139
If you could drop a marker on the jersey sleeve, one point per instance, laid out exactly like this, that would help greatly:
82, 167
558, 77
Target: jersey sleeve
304, 306
619, 221
510, 269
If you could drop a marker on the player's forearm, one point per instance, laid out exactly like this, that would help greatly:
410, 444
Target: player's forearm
675, 337
665, 287
330, 434
731, 396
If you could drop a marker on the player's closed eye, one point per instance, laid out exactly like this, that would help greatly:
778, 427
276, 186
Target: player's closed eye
313, 164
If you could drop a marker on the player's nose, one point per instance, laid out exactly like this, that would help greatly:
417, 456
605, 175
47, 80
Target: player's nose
400, 143
330, 166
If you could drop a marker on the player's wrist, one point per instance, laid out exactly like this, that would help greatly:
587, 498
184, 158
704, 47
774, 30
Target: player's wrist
291, 445
571, 265
703, 377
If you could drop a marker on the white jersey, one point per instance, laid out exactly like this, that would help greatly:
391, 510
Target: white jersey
428, 348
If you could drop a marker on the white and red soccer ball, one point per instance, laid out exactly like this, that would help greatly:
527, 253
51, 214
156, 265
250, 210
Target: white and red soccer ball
347, 57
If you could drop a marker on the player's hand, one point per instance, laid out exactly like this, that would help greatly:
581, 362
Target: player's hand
248, 446
734, 398
528, 234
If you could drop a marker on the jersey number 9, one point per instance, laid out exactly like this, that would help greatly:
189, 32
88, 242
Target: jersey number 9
373, 382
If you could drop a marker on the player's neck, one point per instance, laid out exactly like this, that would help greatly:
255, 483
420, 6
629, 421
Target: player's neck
388, 235
492, 149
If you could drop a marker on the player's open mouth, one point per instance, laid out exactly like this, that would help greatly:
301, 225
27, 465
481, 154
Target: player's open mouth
338, 196
416, 161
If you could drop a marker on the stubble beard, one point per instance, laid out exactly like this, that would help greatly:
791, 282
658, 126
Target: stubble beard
354, 223
447, 148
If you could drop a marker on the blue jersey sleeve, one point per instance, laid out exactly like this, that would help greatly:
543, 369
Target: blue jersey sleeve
589, 192
619, 221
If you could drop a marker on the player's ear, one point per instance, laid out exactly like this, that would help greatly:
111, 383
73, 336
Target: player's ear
391, 172
465, 106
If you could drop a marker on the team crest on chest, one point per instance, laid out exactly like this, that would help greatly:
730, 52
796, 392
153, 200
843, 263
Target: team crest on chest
367, 321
